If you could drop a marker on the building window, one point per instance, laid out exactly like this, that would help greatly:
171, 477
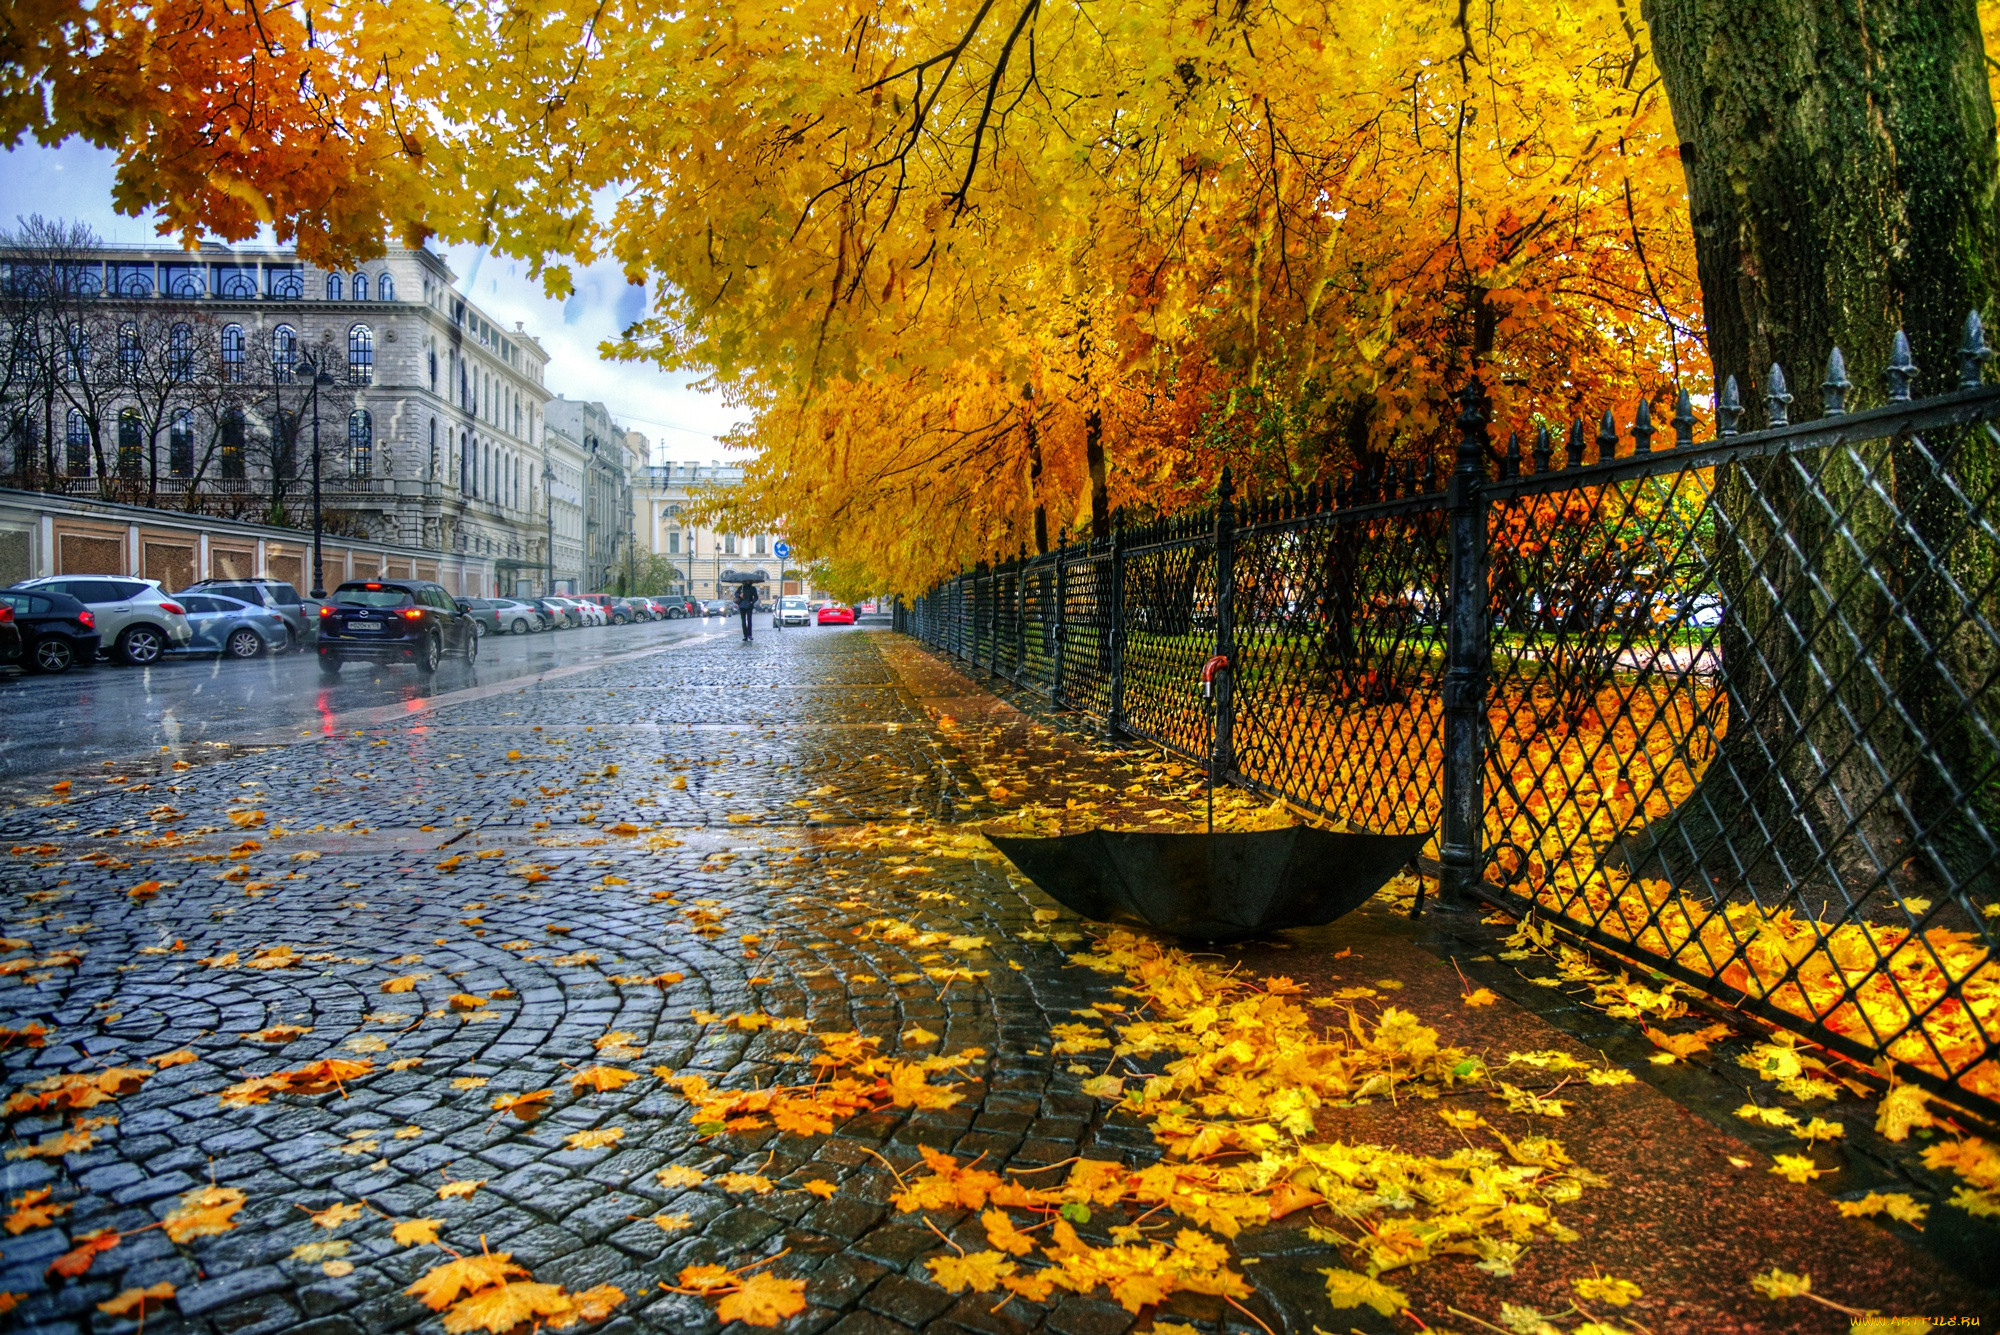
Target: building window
432, 357
128, 345
76, 444
232, 352
360, 352
729, 545
180, 445
434, 450
232, 444
180, 352
361, 442
287, 284
674, 542
184, 280
333, 287
284, 350
132, 280
128, 442
760, 546
361, 287
238, 284
385, 288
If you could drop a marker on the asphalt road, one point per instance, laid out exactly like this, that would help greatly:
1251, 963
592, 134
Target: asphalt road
203, 708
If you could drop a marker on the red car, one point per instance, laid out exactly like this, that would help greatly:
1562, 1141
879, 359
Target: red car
833, 614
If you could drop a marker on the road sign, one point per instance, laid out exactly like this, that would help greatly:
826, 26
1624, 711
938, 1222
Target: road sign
783, 549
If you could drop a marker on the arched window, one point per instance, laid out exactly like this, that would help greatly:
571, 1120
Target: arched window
76, 444
434, 450
385, 288
77, 340
128, 345
333, 287
232, 444
232, 352
284, 349
240, 285
180, 445
129, 442
289, 285
360, 353
432, 358
361, 442
180, 352
361, 287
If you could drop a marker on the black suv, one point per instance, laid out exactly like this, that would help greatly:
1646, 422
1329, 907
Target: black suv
57, 632
394, 621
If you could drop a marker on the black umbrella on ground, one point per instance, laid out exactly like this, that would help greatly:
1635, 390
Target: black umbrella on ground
1213, 887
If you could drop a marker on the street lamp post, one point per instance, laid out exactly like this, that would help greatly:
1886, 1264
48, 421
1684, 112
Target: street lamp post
549, 503
310, 370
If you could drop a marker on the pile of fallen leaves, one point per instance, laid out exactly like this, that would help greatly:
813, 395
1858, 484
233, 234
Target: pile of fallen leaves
489, 1292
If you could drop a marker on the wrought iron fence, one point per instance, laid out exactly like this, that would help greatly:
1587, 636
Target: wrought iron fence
1729, 709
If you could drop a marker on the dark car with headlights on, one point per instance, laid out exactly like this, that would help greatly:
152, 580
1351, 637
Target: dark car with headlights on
57, 631
394, 621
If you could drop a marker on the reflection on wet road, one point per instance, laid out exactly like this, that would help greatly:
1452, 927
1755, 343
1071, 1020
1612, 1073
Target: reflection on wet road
199, 708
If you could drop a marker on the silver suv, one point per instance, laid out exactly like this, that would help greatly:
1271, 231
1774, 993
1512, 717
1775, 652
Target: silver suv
300, 615
135, 620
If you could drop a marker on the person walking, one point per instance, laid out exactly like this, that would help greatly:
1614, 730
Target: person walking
746, 604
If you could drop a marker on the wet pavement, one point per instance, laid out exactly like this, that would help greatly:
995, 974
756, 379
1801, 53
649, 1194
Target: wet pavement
523, 880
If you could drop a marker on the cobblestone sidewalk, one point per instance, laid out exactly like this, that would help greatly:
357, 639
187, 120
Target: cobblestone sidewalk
490, 900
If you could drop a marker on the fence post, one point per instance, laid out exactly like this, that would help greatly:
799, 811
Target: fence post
1060, 634
1114, 722
1225, 626
1021, 616
1466, 657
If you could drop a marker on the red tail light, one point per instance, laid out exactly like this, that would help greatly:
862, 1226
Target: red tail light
412, 613
326, 611
174, 608
89, 621
6, 613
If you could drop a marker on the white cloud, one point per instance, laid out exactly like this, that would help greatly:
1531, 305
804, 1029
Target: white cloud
74, 181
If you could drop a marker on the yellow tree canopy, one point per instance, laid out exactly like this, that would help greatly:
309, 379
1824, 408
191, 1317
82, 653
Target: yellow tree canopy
939, 246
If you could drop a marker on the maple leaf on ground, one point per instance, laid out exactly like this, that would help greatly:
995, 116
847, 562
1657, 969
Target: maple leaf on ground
705, 1278
1797, 1168
596, 1139
180, 1057
601, 1078
527, 1107
84, 1248
1898, 1205
672, 1223
136, 1301
54, 1145
320, 1076
1287, 1197
333, 1216
592, 1305
1687, 1045
204, 1213
820, 1187
461, 1188
1346, 1288
440, 1286
741, 1183
415, 1232
501, 1308
407, 983
314, 1252
1776, 1284
33, 1210
464, 1001
1903, 1110
1000, 1231
979, 1271
764, 1300
1607, 1289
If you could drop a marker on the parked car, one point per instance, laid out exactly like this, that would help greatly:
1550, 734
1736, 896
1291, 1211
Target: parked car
791, 612
715, 607
57, 631
485, 614
593, 614
555, 613
622, 611
300, 614
10, 636
132, 615
516, 617
394, 621
233, 627
833, 614
675, 609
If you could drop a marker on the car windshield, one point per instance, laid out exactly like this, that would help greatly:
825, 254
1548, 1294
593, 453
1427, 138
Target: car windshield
793, 604
371, 595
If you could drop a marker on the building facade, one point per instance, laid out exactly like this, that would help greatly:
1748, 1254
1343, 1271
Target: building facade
663, 497
212, 380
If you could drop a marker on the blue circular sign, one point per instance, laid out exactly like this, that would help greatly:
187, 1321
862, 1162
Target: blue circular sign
783, 549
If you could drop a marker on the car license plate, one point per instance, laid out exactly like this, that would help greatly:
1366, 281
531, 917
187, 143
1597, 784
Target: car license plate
372, 627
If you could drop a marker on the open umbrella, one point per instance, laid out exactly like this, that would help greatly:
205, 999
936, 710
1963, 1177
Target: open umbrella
1213, 887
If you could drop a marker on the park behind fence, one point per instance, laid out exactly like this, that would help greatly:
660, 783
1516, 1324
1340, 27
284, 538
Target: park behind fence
1729, 709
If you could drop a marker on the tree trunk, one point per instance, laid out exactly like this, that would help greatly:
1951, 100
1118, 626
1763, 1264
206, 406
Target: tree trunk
1842, 184
1093, 455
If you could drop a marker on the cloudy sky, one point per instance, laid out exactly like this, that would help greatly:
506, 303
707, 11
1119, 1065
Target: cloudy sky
74, 181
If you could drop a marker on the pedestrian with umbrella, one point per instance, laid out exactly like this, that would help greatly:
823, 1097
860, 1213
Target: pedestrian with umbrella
746, 605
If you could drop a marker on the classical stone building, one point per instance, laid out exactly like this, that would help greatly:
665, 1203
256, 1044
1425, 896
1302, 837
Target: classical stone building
184, 380
662, 499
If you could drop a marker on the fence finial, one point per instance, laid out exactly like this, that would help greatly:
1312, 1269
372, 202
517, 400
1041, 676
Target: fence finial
1683, 420
1972, 354
1510, 466
1573, 447
1833, 389
1729, 409
1777, 398
1228, 486
1542, 448
1642, 429
1902, 369
1607, 438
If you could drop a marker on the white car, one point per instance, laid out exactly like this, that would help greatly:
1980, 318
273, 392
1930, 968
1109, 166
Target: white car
791, 612
592, 614
136, 621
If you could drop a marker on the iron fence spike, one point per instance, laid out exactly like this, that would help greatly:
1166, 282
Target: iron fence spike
1683, 420
1729, 409
1777, 398
1902, 369
1573, 447
1542, 448
1607, 438
1642, 429
1833, 389
1510, 466
1973, 354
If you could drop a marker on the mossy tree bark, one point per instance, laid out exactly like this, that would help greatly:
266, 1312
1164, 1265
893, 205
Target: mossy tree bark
1842, 184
